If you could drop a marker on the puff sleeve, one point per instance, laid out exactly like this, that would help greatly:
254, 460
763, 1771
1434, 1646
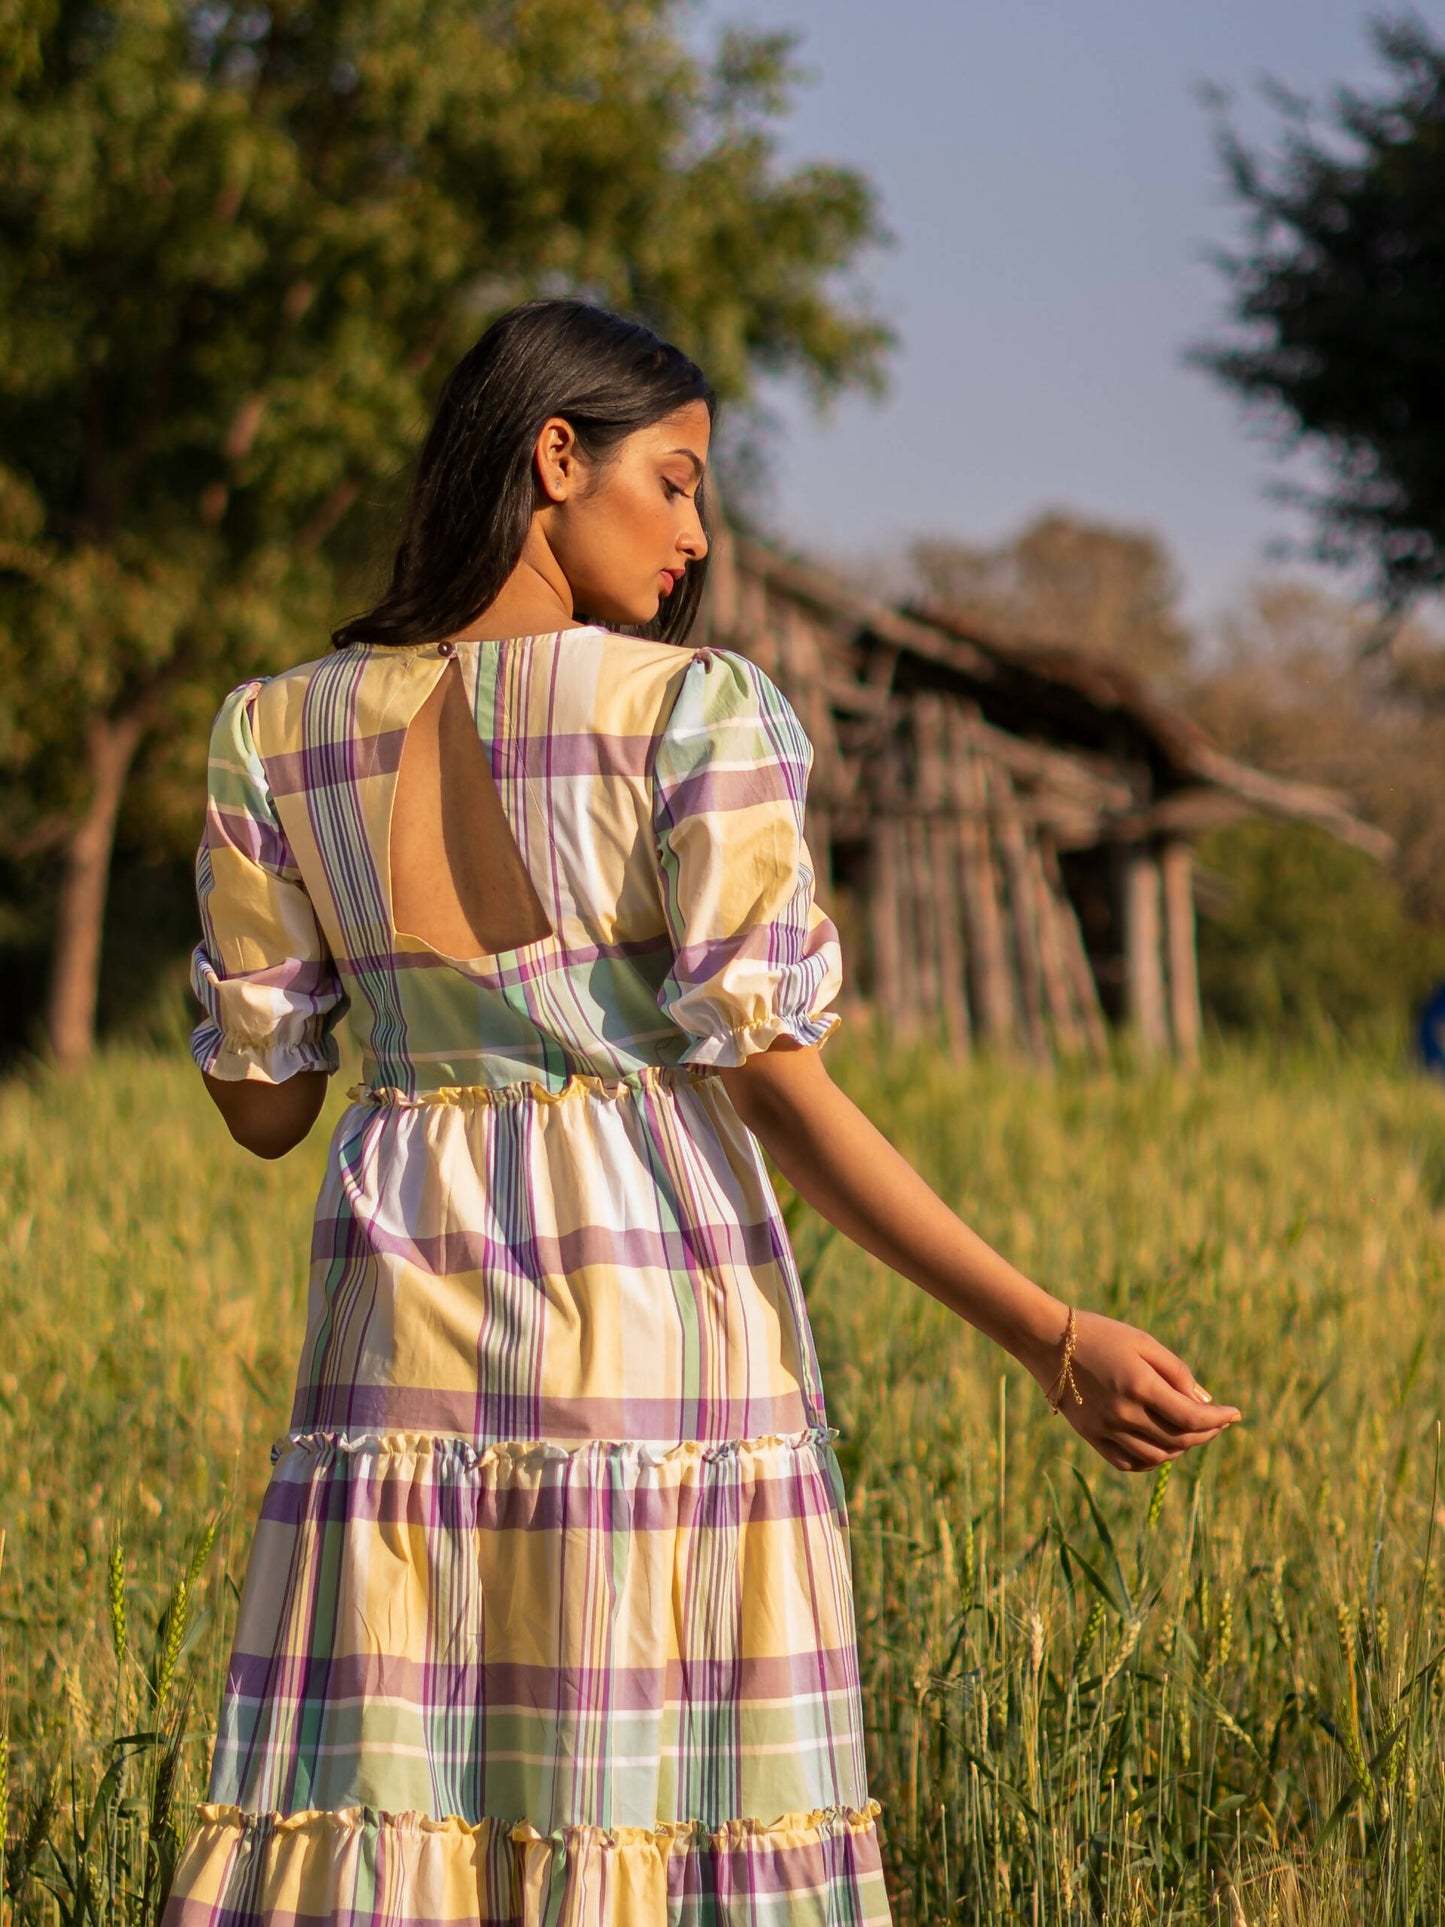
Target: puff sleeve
262, 971
755, 958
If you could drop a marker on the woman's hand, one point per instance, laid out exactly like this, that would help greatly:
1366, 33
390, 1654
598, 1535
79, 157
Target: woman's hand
1141, 1405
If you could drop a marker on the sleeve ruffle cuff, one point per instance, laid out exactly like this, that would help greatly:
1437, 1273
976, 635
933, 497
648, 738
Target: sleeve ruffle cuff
728, 1049
265, 1027
304, 1044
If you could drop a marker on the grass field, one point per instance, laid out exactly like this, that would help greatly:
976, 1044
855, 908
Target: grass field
1213, 1698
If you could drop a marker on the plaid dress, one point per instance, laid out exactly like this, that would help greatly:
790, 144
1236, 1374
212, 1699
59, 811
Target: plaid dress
549, 1618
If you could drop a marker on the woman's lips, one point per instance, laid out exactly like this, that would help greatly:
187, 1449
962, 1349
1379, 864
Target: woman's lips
674, 576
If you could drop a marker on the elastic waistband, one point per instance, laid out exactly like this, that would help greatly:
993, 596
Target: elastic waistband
580, 1084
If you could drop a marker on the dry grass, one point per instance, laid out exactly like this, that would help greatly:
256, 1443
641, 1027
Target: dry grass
1212, 1700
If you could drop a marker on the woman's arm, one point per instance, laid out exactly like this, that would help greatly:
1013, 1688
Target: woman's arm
1141, 1403
269, 1119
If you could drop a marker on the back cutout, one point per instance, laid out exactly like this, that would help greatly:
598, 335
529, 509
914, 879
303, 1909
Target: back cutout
458, 882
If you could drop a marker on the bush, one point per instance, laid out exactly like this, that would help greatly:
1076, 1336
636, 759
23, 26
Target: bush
1310, 938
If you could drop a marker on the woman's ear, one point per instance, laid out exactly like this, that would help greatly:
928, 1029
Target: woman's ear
556, 459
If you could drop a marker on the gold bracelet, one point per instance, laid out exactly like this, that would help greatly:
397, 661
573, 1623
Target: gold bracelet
1066, 1382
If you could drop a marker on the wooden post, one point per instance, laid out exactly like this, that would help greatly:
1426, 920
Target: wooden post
1177, 871
993, 993
936, 875
923, 932
1068, 1038
894, 917
753, 632
720, 604
818, 840
1023, 910
1144, 994
909, 1012
945, 855
885, 906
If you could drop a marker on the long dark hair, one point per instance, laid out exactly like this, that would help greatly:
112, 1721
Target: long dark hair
474, 490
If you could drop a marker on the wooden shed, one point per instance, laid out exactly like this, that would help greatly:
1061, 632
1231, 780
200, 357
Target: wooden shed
1003, 832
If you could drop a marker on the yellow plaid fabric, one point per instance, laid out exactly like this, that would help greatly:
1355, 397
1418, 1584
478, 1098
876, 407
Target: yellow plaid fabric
549, 1616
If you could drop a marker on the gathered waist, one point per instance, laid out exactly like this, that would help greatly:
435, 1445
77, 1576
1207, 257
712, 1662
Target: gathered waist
632, 1083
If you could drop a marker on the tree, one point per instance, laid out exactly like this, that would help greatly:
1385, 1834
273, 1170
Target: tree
1292, 687
1311, 937
1091, 585
240, 243
1338, 295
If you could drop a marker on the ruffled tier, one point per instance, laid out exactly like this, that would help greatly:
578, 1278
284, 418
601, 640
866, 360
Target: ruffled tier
519, 1264
609, 1632
819, 1869
629, 1084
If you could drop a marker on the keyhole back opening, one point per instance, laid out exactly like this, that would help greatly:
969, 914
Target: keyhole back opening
458, 882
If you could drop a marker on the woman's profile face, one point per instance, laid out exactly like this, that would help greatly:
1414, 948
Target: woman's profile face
623, 531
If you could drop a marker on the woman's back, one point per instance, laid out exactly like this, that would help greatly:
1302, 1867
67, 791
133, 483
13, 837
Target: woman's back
605, 876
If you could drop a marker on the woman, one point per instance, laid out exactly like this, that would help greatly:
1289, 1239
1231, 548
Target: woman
549, 1616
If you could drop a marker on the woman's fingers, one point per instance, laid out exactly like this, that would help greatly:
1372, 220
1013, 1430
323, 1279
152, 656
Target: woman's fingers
1130, 1453
1173, 1370
1147, 1427
1179, 1421
1169, 1406
1181, 1382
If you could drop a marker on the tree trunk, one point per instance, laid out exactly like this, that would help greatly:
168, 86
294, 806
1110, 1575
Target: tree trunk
110, 747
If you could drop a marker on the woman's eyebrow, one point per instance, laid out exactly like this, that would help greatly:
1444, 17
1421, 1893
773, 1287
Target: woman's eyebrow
696, 460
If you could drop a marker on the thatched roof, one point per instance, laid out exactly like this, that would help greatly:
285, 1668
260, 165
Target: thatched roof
1161, 770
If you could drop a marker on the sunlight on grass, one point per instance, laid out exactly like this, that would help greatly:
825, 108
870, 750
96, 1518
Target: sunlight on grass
1089, 1698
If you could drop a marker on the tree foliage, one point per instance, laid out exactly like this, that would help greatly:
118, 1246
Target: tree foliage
1338, 295
1064, 578
240, 243
1293, 688
1310, 939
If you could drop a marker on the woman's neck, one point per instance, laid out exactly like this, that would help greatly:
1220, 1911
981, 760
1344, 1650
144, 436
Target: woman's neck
535, 600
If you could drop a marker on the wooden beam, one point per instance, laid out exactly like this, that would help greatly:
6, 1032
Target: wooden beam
860, 612
935, 849
720, 601
1023, 913
1176, 869
885, 909
985, 939
1144, 997
1294, 802
1053, 964
1090, 781
922, 935
947, 858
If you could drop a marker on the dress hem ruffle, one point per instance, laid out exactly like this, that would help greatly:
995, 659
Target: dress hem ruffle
357, 1867
821, 1822
383, 1443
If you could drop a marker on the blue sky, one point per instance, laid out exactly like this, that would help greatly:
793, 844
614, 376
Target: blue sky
1051, 181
